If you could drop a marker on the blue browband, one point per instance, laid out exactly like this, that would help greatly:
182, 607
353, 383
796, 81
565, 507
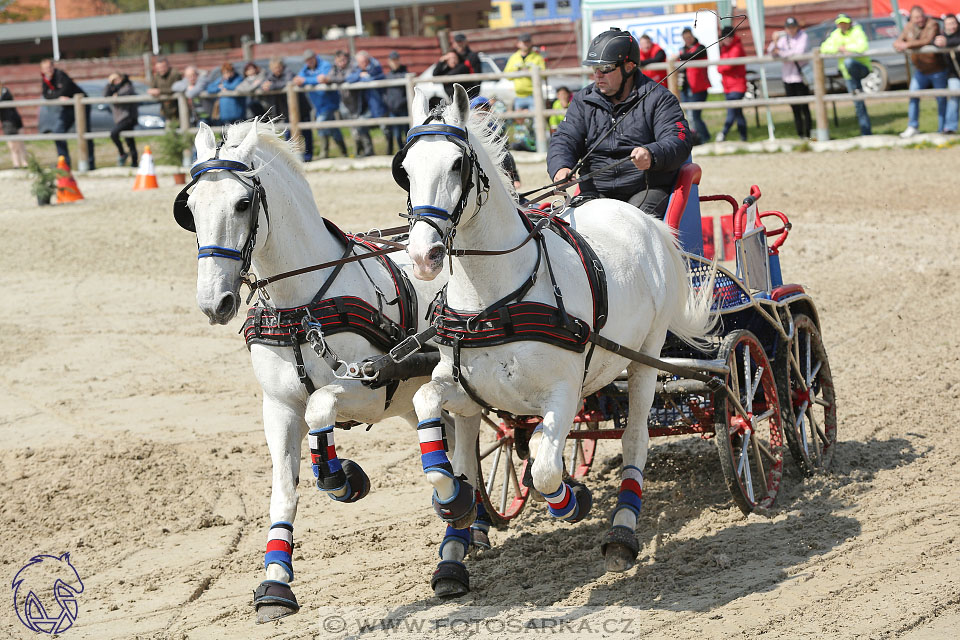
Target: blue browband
437, 128
431, 212
214, 251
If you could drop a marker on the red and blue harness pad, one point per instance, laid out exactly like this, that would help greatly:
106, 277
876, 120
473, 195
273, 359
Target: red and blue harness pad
282, 327
529, 320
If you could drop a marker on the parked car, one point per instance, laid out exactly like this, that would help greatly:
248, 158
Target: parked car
888, 70
101, 117
501, 89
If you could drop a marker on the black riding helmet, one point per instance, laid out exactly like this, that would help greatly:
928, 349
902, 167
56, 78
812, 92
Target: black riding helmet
613, 46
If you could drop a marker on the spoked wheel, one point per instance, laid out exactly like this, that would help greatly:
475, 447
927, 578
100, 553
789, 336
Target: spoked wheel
807, 395
501, 472
578, 452
749, 427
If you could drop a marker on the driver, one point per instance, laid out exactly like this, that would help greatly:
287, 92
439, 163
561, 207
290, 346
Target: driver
654, 134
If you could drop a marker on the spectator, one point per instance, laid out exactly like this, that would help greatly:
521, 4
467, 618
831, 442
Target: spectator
370, 101
482, 104
524, 58
12, 123
316, 71
951, 38
929, 69
124, 116
695, 82
651, 52
161, 84
231, 108
459, 60
562, 102
792, 41
191, 85
734, 78
395, 101
277, 78
849, 39
253, 77
57, 85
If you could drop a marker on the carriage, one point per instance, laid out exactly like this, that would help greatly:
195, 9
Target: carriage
772, 388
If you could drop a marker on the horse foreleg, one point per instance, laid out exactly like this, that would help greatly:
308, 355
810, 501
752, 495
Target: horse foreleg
570, 500
620, 545
284, 429
343, 480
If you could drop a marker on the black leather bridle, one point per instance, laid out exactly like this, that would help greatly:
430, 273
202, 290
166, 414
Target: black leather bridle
255, 194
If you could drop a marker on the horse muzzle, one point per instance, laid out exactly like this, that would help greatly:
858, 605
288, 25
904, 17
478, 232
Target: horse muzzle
223, 309
428, 264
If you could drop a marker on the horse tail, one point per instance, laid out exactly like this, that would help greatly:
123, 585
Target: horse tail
692, 318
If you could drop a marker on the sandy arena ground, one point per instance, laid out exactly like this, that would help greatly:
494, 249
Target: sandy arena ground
132, 439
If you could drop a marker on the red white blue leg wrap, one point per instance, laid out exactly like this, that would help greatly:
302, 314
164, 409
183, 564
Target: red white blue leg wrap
280, 547
631, 491
562, 503
433, 446
327, 468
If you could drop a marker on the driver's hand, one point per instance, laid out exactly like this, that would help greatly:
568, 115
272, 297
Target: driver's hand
562, 174
641, 158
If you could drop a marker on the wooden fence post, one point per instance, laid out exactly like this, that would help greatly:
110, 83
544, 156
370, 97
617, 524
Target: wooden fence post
183, 113
539, 120
81, 118
819, 91
293, 111
673, 82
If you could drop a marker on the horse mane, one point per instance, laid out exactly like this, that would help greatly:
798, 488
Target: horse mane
485, 128
268, 138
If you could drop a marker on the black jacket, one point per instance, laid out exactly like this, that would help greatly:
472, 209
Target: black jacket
657, 124
60, 84
395, 98
468, 62
124, 110
10, 114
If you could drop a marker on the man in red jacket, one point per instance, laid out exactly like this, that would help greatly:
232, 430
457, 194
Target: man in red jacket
651, 52
734, 81
695, 82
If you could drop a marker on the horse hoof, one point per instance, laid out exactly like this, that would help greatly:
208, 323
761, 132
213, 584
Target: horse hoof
466, 520
479, 539
618, 558
271, 612
450, 580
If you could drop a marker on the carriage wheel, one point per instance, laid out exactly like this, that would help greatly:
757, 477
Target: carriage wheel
749, 427
810, 407
501, 472
578, 452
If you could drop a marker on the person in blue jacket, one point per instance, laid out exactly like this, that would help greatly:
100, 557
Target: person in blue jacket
316, 71
365, 69
232, 108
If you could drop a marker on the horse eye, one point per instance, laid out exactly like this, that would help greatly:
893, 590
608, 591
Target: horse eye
242, 205
457, 164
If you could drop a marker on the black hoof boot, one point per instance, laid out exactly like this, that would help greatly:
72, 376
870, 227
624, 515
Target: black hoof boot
357, 482
273, 600
461, 510
619, 548
450, 580
584, 499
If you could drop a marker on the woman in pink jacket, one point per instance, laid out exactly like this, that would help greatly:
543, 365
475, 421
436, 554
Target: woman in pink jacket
792, 41
734, 81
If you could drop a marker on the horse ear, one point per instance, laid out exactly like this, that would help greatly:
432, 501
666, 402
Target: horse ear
461, 104
245, 148
205, 142
419, 108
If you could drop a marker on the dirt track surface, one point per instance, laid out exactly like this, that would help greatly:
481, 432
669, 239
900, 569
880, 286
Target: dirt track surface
132, 439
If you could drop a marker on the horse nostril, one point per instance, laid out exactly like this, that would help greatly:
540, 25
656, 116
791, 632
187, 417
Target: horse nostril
227, 304
435, 254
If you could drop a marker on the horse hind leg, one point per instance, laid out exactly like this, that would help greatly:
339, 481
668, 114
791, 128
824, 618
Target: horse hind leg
284, 430
343, 480
619, 546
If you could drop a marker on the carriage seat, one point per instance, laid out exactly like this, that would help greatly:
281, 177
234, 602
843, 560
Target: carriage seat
683, 209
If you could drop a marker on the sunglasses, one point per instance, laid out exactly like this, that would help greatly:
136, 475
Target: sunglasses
604, 69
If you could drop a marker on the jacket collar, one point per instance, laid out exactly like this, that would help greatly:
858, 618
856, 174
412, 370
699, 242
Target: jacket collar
592, 95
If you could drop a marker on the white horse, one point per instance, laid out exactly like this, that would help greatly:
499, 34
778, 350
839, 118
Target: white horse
252, 200
649, 294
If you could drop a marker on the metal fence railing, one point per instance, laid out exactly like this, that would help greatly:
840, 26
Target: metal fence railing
539, 114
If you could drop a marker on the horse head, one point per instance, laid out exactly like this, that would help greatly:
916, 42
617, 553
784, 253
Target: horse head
437, 168
226, 209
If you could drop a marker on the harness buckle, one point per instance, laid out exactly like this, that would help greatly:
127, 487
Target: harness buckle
407, 347
556, 291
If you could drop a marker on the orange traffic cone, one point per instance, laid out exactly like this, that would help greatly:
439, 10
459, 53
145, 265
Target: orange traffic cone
146, 173
67, 189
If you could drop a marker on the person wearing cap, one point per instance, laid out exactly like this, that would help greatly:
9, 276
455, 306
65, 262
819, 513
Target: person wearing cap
792, 41
850, 39
458, 61
734, 77
695, 82
524, 58
316, 71
395, 100
930, 70
650, 129
651, 52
